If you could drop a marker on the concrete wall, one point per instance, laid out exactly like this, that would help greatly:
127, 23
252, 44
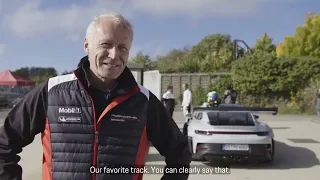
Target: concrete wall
152, 81
137, 76
158, 83
177, 80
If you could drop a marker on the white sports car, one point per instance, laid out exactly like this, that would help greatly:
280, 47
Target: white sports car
229, 132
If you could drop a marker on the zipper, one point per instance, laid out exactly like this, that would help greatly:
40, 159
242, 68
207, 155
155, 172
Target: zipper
96, 139
96, 130
97, 136
97, 127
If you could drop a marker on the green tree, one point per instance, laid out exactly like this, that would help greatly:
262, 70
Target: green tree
264, 45
266, 74
190, 65
23, 72
279, 50
221, 84
173, 62
66, 72
143, 59
306, 41
213, 53
199, 95
37, 74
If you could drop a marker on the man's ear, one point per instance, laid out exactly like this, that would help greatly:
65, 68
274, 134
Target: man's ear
86, 45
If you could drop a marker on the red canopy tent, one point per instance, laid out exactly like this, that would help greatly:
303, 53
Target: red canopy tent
9, 79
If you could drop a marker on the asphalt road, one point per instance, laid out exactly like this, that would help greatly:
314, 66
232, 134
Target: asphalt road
297, 154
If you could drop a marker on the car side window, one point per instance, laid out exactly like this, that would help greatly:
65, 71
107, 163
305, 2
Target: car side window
195, 116
198, 116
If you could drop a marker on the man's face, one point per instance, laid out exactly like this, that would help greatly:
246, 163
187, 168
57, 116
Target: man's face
108, 49
185, 87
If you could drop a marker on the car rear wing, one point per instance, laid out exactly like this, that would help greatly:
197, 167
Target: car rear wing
273, 110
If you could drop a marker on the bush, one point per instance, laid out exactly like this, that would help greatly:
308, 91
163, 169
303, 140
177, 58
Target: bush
198, 96
265, 80
266, 74
305, 100
180, 98
220, 85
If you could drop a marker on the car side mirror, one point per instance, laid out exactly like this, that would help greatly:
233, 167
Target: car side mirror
256, 116
189, 115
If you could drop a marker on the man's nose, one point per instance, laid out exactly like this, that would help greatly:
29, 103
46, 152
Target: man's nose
113, 53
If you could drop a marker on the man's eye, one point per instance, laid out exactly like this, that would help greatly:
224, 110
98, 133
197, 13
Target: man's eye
122, 48
107, 45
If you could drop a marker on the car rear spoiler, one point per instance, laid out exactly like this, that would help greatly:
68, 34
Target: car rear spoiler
273, 110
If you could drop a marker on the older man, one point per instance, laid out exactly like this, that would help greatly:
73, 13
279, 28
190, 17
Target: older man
95, 119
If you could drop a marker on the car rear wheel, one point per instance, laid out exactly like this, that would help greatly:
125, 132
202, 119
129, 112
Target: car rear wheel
194, 157
271, 153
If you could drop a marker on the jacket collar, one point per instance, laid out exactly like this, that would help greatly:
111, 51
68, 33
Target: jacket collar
125, 82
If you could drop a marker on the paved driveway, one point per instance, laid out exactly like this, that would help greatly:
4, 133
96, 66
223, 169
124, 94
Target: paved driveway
297, 154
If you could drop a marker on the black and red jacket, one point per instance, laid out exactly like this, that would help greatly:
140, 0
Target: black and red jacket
75, 138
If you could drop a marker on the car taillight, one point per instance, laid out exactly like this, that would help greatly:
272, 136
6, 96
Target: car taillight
267, 147
203, 132
264, 133
201, 147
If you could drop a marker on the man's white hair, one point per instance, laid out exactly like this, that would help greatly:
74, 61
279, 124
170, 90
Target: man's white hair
116, 17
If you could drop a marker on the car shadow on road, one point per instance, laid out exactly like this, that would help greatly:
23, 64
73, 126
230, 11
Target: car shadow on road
280, 128
286, 157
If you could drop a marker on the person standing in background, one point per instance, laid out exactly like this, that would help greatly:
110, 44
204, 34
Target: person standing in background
187, 100
230, 96
169, 100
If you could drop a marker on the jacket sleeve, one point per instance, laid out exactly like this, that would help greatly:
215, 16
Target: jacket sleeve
167, 138
163, 98
22, 124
